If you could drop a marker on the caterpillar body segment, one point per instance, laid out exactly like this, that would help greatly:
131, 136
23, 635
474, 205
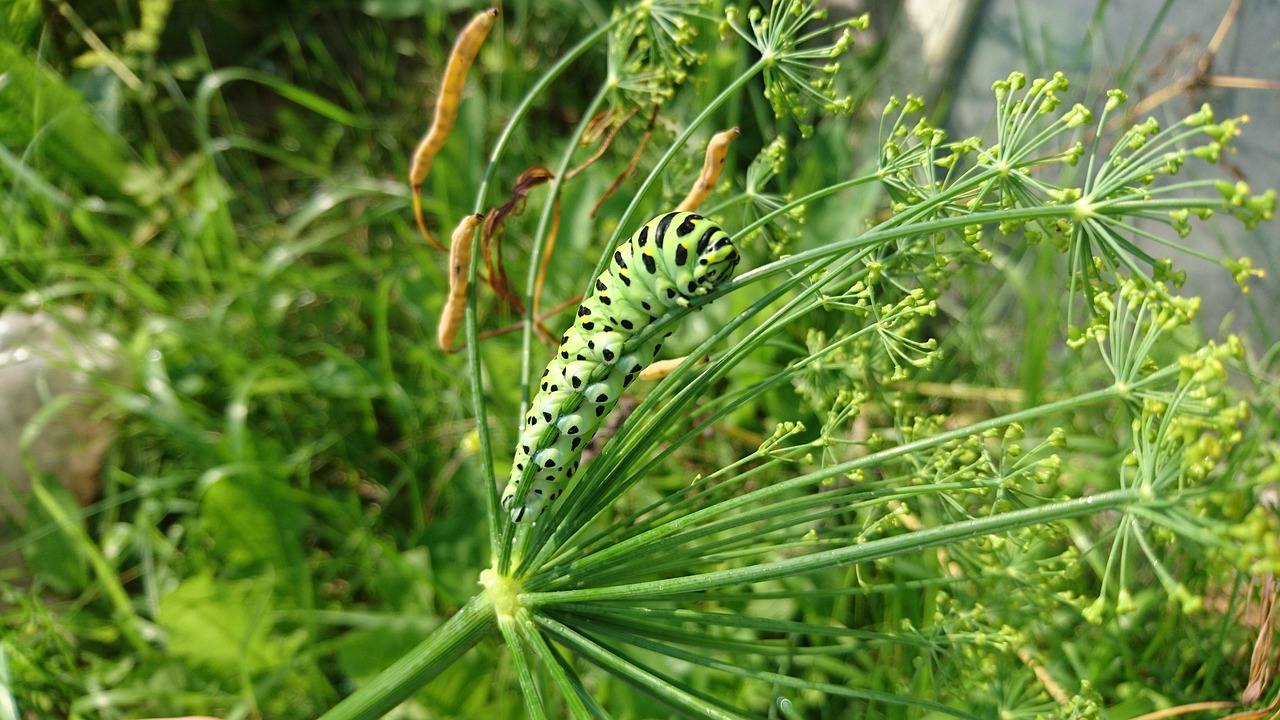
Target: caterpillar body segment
669, 261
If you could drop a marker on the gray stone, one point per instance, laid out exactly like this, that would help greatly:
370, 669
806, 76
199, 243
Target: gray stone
51, 373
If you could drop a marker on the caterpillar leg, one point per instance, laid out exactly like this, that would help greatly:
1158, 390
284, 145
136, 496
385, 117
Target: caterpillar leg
534, 503
530, 510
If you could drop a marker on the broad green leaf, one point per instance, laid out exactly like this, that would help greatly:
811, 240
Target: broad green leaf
43, 118
19, 21
256, 528
223, 626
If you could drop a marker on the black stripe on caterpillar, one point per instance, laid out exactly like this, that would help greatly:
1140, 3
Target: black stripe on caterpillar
670, 260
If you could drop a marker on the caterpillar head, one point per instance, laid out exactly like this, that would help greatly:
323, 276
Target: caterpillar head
713, 248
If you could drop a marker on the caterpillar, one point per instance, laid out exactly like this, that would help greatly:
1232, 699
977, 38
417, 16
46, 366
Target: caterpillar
654, 274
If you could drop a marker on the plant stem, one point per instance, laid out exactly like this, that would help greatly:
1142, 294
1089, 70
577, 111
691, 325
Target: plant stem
505, 531
434, 654
471, 329
127, 620
667, 157
853, 555
526, 104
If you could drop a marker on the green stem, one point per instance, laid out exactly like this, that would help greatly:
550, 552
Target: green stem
699, 517
526, 104
433, 655
471, 328
657, 687
511, 635
624, 220
127, 620
506, 531
881, 235
853, 555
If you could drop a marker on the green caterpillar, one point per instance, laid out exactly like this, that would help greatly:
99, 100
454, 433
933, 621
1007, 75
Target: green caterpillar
671, 259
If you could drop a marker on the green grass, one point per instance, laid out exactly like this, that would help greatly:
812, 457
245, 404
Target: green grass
920, 477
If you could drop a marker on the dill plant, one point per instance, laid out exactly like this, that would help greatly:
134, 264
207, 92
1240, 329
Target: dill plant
736, 590
837, 516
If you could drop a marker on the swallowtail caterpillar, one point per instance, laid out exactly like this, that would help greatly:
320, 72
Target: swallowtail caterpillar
669, 261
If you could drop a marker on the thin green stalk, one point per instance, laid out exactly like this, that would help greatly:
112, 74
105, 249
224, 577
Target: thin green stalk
506, 530
624, 613
526, 104
649, 682
695, 519
881, 235
853, 555
624, 221
648, 641
513, 637
418, 667
752, 533
471, 326
570, 689
569, 548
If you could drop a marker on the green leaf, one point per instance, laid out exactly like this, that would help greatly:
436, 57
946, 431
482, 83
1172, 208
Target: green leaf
257, 527
19, 21
53, 556
42, 117
223, 626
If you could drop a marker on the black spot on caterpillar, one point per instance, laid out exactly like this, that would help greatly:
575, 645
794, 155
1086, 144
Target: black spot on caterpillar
607, 358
